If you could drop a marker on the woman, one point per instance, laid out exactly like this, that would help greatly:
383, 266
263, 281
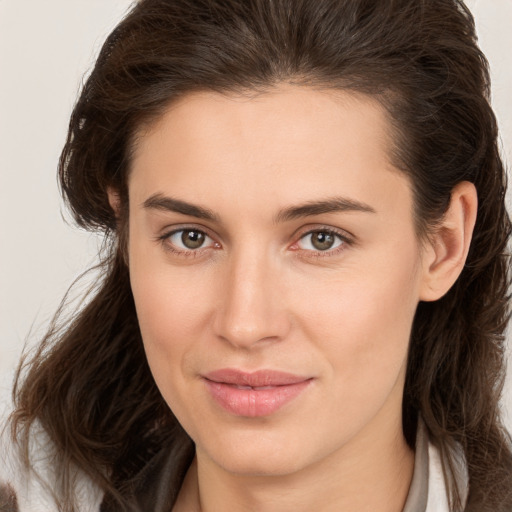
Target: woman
305, 282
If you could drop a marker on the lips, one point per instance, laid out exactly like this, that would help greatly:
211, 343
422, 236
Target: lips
259, 393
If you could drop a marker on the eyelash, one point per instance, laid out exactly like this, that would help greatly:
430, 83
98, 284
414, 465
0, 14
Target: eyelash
194, 253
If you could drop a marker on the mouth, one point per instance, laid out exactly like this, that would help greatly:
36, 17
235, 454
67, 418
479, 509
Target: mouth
255, 394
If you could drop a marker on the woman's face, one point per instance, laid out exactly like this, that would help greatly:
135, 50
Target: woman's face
276, 273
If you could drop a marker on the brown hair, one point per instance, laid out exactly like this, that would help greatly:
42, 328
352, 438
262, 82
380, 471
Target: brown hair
89, 384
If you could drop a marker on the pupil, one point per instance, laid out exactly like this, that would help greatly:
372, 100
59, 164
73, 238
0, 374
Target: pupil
322, 241
192, 239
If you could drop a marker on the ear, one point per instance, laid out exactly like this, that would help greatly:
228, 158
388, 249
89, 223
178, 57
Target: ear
115, 200
445, 254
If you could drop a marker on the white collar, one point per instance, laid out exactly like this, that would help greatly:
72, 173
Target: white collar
429, 489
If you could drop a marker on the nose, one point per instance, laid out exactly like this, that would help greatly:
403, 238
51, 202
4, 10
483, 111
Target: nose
251, 309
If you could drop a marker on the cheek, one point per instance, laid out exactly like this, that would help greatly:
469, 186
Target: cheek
169, 318
361, 323
164, 309
170, 313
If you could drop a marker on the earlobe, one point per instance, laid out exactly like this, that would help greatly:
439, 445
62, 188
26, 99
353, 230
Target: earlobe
447, 250
114, 199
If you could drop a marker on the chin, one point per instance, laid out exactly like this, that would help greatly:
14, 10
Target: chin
260, 465
260, 453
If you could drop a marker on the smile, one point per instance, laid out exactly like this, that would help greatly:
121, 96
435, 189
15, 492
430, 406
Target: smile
255, 394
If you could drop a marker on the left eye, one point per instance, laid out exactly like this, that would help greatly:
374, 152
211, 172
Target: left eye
190, 239
320, 241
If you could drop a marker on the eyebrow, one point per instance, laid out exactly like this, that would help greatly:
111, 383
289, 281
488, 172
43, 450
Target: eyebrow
330, 205
170, 204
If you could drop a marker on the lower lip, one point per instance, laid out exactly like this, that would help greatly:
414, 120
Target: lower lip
254, 402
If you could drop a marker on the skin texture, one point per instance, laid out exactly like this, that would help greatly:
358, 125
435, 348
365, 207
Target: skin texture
259, 295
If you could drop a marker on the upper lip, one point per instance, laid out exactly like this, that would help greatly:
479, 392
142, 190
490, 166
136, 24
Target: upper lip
258, 378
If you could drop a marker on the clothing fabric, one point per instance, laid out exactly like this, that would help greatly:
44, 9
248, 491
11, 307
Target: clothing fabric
428, 490
25, 493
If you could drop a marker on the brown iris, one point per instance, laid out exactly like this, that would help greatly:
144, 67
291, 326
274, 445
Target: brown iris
322, 240
192, 239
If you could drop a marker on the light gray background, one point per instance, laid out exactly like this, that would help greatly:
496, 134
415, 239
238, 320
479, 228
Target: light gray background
46, 46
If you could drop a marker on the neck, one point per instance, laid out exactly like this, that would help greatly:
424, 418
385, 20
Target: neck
373, 473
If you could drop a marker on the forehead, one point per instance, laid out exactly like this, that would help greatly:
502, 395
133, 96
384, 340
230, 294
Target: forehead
289, 144
294, 112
